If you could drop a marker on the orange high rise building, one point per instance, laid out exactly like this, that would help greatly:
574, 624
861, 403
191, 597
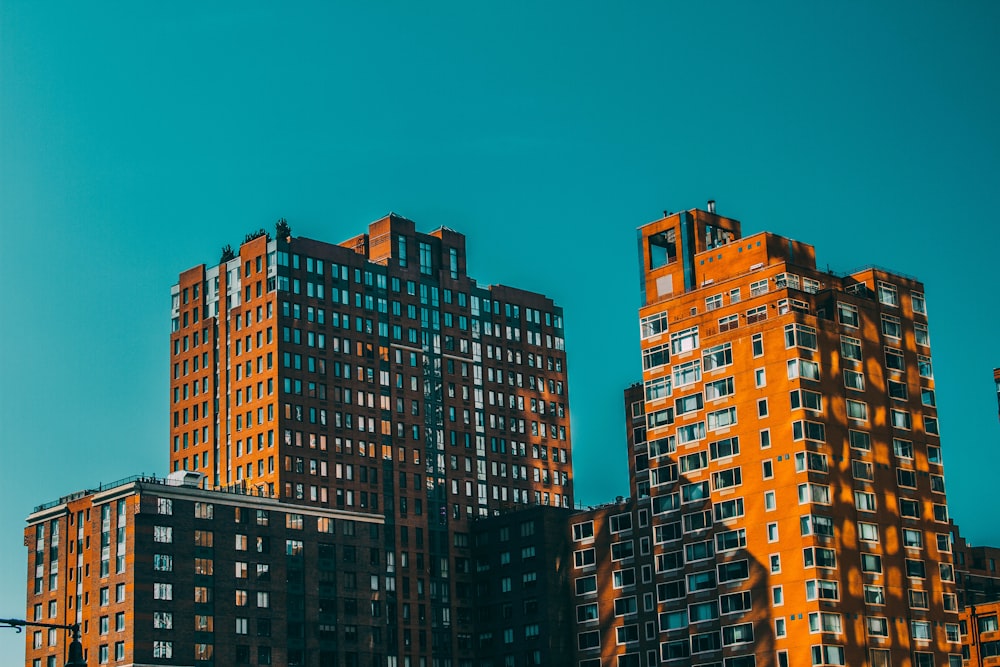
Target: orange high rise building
791, 453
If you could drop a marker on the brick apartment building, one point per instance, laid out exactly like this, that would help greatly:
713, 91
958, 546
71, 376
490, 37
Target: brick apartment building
791, 433
981, 635
159, 571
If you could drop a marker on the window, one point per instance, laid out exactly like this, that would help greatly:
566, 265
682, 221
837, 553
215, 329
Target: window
915, 569
898, 390
828, 655
724, 448
917, 302
804, 398
857, 410
719, 389
901, 419
902, 448
864, 501
921, 334
623, 578
724, 479
718, 356
691, 403
687, 373
814, 493
850, 348
684, 341
891, 327
700, 581
654, 357
164, 506
863, 470
811, 461
653, 325
656, 388
163, 534
733, 571
825, 622
918, 599
806, 430
888, 294
737, 634
878, 626
821, 589
722, 418
848, 315
854, 380
586, 585
803, 368
584, 558
582, 531
874, 595
814, 524
799, 335
819, 557
920, 630
988, 623
894, 359
871, 563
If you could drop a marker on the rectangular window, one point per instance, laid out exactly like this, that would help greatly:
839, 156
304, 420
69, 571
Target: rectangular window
891, 327
718, 356
803, 368
800, 335
848, 315
720, 419
888, 294
653, 325
653, 357
684, 341
850, 348
719, 389
687, 373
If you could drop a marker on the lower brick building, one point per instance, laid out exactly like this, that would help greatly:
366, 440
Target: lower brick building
523, 570
158, 571
981, 635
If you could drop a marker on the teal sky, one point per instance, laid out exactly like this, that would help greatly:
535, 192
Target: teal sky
137, 138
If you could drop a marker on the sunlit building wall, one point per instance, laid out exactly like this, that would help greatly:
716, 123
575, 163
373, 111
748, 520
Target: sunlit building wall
786, 436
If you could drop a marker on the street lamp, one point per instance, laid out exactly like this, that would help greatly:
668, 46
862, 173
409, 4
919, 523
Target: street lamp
75, 647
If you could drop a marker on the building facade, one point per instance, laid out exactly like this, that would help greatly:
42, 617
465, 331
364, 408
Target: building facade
790, 452
159, 571
375, 376
522, 568
981, 635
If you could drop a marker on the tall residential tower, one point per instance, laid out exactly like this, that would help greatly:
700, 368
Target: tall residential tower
789, 446
375, 376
